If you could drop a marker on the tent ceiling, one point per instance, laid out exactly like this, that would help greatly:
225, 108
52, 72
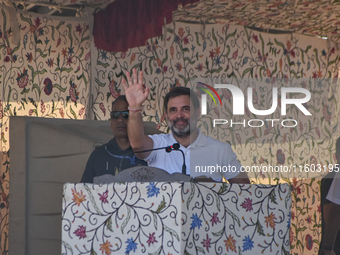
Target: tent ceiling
317, 18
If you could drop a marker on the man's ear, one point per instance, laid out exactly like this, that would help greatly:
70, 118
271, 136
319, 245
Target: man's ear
198, 113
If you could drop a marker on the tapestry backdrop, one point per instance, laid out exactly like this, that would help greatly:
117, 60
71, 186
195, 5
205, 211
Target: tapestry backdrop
45, 71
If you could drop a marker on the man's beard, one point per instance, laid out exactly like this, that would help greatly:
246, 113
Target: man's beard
185, 131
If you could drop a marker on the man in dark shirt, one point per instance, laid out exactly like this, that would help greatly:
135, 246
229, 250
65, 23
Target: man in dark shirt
107, 158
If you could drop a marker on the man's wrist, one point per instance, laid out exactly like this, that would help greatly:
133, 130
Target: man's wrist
136, 109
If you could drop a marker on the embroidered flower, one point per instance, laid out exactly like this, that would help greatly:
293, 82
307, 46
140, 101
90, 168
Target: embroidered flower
247, 204
152, 239
48, 86
196, 222
103, 197
131, 246
80, 232
78, 198
230, 243
214, 219
105, 247
270, 220
206, 243
248, 244
22, 79
152, 190
309, 242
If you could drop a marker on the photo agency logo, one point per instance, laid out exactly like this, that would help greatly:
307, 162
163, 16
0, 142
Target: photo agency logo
238, 105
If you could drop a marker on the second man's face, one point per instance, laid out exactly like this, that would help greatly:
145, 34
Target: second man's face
119, 119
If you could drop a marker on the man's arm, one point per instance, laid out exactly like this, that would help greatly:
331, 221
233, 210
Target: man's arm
136, 94
240, 178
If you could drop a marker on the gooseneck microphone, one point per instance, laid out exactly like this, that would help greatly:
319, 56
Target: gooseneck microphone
168, 149
175, 147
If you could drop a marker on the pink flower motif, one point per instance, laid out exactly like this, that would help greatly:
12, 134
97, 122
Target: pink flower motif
206, 243
61, 112
103, 197
102, 107
309, 242
80, 232
43, 107
214, 219
1, 110
309, 219
152, 239
247, 204
81, 111
22, 79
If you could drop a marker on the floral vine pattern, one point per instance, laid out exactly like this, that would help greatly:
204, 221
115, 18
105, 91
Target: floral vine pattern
187, 54
175, 218
46, 73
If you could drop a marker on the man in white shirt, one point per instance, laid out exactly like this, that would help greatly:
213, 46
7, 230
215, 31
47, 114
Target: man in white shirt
204, 155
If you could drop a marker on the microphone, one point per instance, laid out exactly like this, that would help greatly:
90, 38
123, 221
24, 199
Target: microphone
167, 149
175, 147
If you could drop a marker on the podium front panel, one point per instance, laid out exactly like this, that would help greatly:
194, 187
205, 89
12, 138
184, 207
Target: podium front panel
175, 218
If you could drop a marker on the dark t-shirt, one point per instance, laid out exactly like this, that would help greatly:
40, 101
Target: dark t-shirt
106, 160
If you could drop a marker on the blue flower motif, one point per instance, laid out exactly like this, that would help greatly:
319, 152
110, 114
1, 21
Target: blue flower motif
196, 222
152, 190
248, 244
289, 218
70, 50
131, 246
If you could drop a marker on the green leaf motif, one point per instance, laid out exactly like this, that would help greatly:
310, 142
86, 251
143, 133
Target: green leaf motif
108, 224
68, 247
272, 197
161, 206
73, 113
192, 193
126, 221
172, 232
57, 86
259, 229
235, 218
93, 201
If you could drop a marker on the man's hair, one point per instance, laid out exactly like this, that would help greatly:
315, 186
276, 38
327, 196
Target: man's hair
121, 97
181, 91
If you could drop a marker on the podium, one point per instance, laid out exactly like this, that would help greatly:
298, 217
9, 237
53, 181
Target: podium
175, 218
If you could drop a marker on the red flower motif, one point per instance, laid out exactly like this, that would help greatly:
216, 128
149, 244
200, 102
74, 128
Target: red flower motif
113, 91
152, 239
1, 111
309, 242
206, 243
280, 157
43, 107
61, 112
214, 219
22, 79
48, 86
309, 219
102, 107
80, 232
103, 197
81, 111
247, 204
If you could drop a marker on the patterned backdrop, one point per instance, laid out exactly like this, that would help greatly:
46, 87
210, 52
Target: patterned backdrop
48, 73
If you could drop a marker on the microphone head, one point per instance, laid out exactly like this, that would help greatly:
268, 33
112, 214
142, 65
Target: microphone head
168, 149
175, 146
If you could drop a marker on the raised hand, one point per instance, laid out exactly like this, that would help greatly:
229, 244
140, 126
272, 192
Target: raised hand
135, 91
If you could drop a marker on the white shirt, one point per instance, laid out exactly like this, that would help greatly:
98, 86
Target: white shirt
205, 156
334, 191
